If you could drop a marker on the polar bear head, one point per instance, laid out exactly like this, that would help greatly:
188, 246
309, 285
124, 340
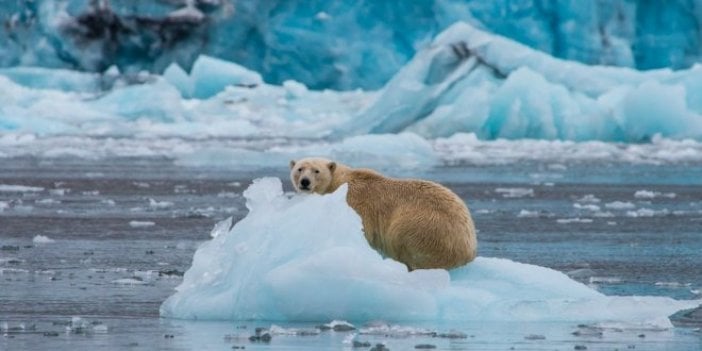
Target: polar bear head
312, 175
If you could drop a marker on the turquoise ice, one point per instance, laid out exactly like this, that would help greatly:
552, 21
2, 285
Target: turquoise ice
304, 258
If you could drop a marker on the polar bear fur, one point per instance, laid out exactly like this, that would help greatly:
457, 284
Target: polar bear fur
419, 223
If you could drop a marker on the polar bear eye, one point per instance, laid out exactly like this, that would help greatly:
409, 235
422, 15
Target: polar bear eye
299, 169
316, 171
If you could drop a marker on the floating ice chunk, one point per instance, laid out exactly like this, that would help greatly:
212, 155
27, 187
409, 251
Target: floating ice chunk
140, 224
278, 330
647, 212
19, 188
647, 194
588, 207
159, 204
209, 76
304, 258
573, 220
515, 192
528, 214
129, 281
100, 329
589, 198
48, 201
4, 205
41, 239
620, 205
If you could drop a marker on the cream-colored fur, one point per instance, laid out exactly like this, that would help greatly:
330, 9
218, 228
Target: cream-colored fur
419, 223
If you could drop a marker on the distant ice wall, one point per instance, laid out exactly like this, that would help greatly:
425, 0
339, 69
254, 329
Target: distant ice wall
340, 44
469, 80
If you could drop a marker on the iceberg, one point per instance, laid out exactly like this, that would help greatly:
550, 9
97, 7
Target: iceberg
469, 80
339, 45
304, 258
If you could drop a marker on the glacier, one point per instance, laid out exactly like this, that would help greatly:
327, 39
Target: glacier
304, 258
469, 80
340, 45
466, 81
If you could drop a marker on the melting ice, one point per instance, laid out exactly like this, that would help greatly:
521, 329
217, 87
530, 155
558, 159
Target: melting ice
304, 258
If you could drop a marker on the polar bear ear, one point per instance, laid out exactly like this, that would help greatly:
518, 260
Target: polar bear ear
292, 164
332, 166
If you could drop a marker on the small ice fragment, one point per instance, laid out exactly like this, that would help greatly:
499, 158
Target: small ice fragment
139, 224
100, 328
159, 204
646, 212
47, 201
644, 194
589, 207
647, 194
589, 198
41, 239
515, 192
337, 325
19, 188
620, 205
129, 281
573, 220
108, 202
528, 214
605, 280
59, 192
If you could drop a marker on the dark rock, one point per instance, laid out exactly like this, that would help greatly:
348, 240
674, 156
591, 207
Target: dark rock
357, 344
323, 327
266, 337
379, 347
9, 248
580, 347
424, 346
236, 347
169, 336
51, 334
642, 335
254, 338
535, 337
343, 328
149, 252
452, 335
259, 330
170, 273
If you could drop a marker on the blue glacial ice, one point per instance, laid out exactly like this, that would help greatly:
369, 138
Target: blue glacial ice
469, 80
304, 258
341, 44
466, 81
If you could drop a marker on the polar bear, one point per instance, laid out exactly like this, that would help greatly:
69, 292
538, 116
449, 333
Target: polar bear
419, 223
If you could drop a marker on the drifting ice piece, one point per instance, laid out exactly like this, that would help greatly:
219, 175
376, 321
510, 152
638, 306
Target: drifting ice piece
305, 259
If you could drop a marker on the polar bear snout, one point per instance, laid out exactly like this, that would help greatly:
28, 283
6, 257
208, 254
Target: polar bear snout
305, 184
